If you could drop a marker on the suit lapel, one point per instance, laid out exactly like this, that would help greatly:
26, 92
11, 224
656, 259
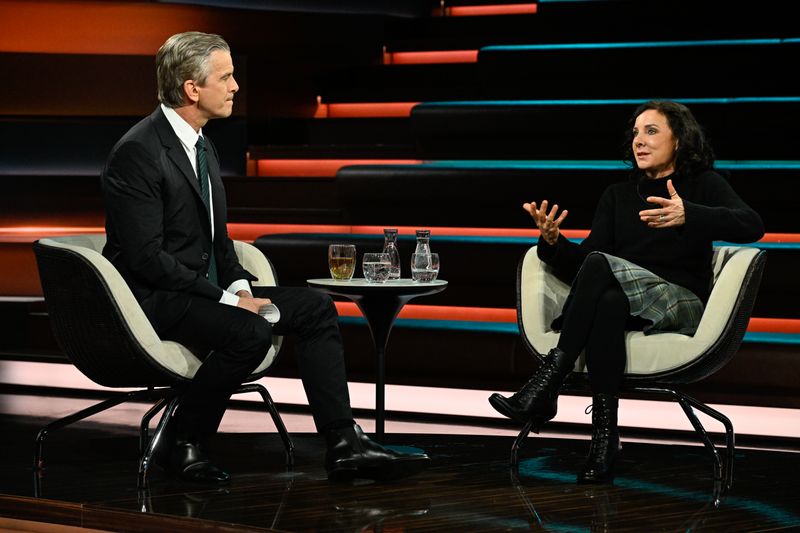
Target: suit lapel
176, 154
174, 149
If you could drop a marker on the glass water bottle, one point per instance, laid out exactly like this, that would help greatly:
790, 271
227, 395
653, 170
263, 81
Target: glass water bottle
390, 247
423, 242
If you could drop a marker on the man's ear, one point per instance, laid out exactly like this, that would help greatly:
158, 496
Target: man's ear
190, 90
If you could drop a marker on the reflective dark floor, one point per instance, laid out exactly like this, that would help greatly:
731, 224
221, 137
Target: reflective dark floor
90, 480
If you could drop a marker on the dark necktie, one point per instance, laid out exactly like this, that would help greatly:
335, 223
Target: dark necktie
202, 177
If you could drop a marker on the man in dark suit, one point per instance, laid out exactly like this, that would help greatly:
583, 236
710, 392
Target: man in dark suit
166, 227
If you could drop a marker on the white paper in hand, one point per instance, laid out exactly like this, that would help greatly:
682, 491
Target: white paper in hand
270, 312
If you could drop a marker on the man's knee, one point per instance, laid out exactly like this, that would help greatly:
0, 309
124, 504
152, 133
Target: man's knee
316, 304
253, 340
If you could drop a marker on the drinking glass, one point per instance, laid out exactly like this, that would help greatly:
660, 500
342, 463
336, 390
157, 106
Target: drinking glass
342, 261
376, 267
424, 267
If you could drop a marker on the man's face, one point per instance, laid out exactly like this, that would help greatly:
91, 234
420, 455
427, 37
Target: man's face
215, 97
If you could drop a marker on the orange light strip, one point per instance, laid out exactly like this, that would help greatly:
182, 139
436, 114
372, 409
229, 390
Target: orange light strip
33, 233
250, 232
494, 314
317, 168
91, 27
774, 325
499, 9
441, 312
430, 57
780, 237
364, 110
467, 232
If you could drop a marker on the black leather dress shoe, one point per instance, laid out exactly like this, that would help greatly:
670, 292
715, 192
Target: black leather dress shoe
186, 460
351, 454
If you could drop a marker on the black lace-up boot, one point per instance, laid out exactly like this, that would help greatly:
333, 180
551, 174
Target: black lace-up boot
537, 400
605, 447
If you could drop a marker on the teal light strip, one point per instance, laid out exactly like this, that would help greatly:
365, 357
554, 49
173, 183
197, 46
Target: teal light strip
526, 241
511, 328
587, 164
627, 102
759, 337
471, 239
542, 468
641, 44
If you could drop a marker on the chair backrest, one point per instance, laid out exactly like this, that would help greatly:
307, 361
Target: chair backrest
664, 357
100, 325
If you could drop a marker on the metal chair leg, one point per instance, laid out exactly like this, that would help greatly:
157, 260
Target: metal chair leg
687, 403
276, 418
526, 429
144, 462
38, 454
144, 426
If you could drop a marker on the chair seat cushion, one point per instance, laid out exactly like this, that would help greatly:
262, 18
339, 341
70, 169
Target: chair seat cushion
542, 297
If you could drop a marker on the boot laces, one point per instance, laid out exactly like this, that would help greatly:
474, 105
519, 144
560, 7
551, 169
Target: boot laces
539, 382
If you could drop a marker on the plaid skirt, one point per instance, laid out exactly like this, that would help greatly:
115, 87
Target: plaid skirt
665, 306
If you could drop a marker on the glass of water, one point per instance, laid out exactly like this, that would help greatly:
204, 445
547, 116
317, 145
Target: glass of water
376, 267
424, 267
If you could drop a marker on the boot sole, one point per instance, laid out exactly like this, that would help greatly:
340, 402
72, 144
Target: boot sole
501, 405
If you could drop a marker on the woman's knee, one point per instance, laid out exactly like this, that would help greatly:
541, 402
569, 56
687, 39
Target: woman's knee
595, 265
613, 299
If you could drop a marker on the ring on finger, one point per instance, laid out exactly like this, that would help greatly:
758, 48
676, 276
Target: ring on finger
661, 217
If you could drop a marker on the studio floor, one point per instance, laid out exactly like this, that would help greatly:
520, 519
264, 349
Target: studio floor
90, 482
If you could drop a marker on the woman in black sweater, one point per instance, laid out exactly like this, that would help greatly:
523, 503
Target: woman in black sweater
646, 265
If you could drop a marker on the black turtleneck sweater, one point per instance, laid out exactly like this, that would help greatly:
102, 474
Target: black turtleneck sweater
680, 255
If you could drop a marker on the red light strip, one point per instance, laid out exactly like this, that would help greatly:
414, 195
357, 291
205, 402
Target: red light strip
424, 58
249, 232
110, 27
364, 110
509, 316
317, 168
441, 312
499, 9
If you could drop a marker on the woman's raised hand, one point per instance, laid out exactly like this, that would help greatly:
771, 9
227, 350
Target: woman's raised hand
670, 212
547, 223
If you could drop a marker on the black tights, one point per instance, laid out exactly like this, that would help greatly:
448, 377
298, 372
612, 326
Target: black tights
595, 320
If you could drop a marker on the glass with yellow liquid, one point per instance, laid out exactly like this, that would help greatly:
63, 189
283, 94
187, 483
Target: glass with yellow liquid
342, 261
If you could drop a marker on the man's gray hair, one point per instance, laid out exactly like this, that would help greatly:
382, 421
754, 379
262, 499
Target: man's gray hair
184, 56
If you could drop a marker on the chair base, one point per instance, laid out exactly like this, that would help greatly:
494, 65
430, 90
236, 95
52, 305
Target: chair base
165, 398
723, 469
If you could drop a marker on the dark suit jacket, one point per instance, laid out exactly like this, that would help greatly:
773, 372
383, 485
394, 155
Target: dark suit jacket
158, 229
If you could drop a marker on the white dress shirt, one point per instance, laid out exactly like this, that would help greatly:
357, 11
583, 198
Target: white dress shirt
188, 138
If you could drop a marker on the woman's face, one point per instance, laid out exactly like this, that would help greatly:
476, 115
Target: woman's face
654, 146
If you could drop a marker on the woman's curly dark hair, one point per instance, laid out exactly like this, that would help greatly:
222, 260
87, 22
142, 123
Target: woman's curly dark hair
694, 154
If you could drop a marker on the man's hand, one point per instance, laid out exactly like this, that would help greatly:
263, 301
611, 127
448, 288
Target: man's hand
547, 223
670, 213
250, 303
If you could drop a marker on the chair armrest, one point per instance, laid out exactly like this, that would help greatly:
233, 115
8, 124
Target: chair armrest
256, 263
540, 298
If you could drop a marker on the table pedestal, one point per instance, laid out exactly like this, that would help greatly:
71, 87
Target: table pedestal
380, 305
